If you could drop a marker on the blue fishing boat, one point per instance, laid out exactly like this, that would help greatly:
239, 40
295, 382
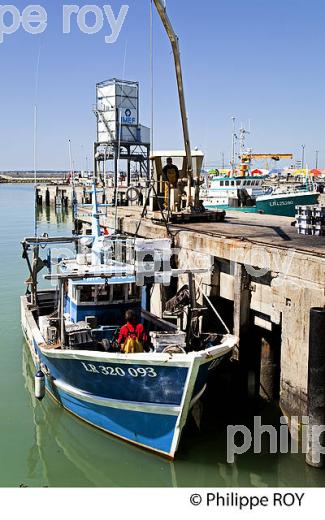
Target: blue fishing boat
71, 328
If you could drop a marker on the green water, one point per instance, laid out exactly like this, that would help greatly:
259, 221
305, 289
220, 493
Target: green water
43, 445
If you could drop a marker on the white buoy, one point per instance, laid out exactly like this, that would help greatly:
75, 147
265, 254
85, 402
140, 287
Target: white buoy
39, 385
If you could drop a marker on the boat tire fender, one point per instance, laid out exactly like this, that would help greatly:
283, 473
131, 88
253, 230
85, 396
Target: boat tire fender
132, 194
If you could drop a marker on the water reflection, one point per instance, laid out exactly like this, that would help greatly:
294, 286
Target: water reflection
67, 452
54, 216
91, 457
71, 453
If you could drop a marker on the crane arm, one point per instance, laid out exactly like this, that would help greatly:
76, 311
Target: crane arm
275, 156
179, 76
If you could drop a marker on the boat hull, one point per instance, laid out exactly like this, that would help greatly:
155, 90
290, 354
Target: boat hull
285, 205
282, 205
141, 398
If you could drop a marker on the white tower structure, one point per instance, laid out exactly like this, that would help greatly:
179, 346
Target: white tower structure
120, 136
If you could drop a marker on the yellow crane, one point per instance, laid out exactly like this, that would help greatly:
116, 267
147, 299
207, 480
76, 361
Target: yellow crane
248, 157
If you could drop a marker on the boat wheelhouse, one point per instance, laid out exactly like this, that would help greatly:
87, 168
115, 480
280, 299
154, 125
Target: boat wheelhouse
225, 192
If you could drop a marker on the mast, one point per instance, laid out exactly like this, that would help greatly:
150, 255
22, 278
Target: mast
233, 151
74, 199
95, 229
61, 312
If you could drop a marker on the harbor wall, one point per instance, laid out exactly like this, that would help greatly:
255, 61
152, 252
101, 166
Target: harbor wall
264, 292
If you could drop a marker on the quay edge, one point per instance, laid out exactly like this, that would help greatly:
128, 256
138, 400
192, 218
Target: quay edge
283, 278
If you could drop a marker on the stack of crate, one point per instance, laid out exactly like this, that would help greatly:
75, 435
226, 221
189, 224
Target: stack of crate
310, 220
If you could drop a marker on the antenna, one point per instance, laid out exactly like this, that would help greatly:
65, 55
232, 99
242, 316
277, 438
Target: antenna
70, 158
234, 137
35, 139
242, 137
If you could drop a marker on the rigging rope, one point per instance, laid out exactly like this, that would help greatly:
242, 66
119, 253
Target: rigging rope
200, 288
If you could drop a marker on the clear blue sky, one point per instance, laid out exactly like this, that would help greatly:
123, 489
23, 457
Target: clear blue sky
261, 60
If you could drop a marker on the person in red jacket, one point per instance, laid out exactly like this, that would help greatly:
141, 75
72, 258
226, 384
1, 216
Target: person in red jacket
132, 329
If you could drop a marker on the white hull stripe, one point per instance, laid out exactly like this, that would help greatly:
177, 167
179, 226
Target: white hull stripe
176, 360
115, 403
287, 195
198, 396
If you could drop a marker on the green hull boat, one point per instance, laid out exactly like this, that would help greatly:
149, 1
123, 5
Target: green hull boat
284, 204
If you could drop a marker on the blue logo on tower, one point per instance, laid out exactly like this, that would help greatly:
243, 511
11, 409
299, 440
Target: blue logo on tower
128, 118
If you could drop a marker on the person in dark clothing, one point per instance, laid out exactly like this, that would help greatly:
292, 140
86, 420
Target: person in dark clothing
171, 173
170, 179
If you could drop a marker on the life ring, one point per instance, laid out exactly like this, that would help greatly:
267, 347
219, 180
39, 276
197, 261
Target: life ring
135, 192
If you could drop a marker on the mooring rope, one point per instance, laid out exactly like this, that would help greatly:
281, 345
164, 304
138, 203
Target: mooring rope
199, 286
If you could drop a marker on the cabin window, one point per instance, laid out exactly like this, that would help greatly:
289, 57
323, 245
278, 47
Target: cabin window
226, 183
221, 183
237, 183
119, 292
233, 183
87, 293
131, 292
103, 293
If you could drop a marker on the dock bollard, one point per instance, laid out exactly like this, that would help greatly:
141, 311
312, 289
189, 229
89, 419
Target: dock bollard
316, 388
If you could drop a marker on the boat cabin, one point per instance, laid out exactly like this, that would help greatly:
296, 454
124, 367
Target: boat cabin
236, 183
232, 191
105, 301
